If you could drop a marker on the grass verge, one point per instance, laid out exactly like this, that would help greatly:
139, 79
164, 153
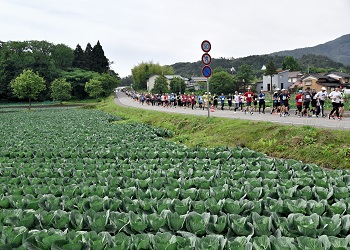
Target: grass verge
324, 147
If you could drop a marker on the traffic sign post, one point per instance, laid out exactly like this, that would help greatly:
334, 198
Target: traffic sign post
206, 70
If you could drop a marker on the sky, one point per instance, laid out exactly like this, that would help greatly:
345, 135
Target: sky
167, 32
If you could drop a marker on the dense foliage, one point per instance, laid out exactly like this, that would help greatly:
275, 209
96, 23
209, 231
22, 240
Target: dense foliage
142, 72
50, 62
71, 179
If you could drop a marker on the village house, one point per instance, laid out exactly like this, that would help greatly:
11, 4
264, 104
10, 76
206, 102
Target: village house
279, 80
330, 81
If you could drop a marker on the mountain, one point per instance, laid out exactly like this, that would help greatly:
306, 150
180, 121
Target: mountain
338, 50
333, 55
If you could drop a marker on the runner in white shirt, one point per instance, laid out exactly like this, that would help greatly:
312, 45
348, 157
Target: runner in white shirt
236, 99
321, 96
336, 97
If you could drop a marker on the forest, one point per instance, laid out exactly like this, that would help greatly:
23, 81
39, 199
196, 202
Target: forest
51, 62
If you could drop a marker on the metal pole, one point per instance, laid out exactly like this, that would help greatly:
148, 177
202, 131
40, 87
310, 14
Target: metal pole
208, 97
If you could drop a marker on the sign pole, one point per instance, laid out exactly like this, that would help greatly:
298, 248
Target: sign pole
208, 97
206, 70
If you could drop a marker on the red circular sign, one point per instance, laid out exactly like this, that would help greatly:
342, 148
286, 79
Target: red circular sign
206, 59
206, 46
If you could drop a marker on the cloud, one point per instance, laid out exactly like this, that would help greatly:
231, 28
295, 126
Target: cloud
167, 32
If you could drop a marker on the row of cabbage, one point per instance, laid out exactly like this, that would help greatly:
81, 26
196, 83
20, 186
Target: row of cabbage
228, 225
20, 238
73, 180
283, 208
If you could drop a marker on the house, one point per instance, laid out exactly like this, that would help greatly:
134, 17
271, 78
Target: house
279, 80
342, 77
294, 76
317, 81
151, 80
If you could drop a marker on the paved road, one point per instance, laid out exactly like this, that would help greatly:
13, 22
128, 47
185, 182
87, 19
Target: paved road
123, 99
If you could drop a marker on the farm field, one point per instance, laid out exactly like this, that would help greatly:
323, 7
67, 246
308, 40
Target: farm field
79, 179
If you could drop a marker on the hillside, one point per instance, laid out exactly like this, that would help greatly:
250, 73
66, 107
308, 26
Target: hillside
338, 50
331, 55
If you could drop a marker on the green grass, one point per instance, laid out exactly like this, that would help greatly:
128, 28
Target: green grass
324, 147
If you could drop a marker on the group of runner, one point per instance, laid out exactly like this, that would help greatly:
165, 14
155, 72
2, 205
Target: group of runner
308, 102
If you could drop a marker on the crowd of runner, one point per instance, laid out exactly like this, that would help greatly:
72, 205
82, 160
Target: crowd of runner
308, 102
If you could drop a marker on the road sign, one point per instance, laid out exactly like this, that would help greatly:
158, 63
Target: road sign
206, 59
206, 46
206, 71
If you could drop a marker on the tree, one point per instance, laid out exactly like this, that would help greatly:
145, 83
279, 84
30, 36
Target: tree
100, 61
244, 75
61, 90
109, 83
94, 88
221, 82
142, 72
28, 85
270, 70
78, 78
62, 56
290, 63
79, 58
89, 57
160, 85
177, 85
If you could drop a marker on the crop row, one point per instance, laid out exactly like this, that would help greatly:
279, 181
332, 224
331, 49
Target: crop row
21, 238
229, 225
242, 206
71, 179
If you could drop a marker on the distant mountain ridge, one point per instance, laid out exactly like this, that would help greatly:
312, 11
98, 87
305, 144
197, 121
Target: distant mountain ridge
338, 50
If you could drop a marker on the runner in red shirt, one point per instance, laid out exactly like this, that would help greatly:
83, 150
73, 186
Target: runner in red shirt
299, 102
248, 98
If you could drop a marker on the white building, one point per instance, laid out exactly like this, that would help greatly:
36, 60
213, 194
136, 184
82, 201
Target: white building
279, 80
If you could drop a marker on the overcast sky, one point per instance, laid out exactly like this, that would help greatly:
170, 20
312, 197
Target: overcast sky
166, 32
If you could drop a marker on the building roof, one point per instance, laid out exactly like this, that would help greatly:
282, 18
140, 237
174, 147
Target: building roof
295, 74
341, 74
170, 77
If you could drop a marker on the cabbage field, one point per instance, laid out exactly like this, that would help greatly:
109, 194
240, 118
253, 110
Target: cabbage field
75, 179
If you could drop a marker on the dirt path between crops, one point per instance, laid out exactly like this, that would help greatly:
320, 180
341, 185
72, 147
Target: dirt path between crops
122, 99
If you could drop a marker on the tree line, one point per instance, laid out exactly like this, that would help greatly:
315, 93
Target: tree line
227, 78
53, 64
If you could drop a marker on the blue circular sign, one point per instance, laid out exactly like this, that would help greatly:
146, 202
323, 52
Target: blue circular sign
206, 71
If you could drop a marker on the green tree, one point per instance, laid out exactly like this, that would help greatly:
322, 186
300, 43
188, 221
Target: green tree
94, 88
61, 90
221, 82
290, 63
109, 83
79, 58
100, 61
62, 56
177, 85
28, 85
89, 57
244, 75
142, 72
160, 85
78, 78
270, 70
